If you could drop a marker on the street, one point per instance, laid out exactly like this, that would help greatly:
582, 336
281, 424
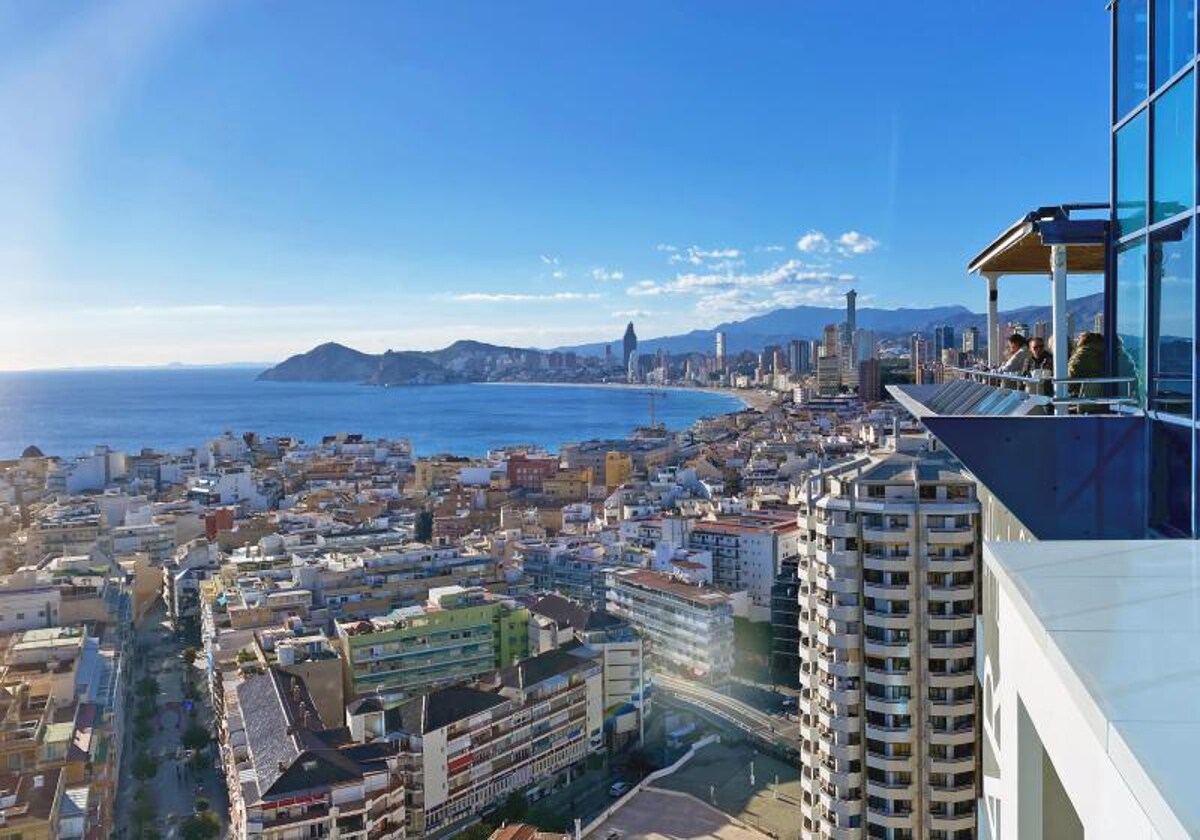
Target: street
175, 787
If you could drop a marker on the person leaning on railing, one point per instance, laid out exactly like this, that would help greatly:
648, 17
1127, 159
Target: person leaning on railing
1087, 362
1039, 365
1018, 354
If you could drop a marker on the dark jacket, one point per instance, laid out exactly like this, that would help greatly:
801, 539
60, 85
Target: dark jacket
1087, 362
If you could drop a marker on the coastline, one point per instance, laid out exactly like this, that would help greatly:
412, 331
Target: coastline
756, 400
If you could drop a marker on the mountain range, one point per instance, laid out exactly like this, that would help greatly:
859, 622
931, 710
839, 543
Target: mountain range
475, 361
782, 325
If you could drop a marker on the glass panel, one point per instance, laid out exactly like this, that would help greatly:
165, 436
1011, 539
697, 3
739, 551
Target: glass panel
1174, 37
1172, 279
1133, 68
1174, 149
1131, 314
1131, 175
1171, 479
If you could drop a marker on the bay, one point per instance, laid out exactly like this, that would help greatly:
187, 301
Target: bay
69, 412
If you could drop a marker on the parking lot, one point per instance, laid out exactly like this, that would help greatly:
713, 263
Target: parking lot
666, 814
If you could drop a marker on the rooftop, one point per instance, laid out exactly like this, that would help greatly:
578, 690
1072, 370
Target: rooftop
665, 583
1119, 619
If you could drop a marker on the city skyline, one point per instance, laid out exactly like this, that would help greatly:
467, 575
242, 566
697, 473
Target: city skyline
539, 180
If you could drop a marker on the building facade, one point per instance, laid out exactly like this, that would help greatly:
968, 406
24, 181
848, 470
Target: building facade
685, 627
1153, 310
887, 618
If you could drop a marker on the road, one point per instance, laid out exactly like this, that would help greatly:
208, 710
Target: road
175, 787
751, 720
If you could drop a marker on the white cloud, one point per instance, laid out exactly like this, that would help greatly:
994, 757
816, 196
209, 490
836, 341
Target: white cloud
549, 260
853, 242
814, 242
644, 288
632, 313
849, 244
700, 256
669, 249
558, 274
605, 275
770, 249
503, 297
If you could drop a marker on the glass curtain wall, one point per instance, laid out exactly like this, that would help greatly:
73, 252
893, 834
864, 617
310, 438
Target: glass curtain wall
1154, 264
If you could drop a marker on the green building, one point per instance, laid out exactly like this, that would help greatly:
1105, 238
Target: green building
460, 634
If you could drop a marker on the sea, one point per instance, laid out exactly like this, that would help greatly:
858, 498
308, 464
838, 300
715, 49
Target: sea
170, 409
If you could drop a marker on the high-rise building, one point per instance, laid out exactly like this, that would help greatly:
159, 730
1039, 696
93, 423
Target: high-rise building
1098, 323
720, 350
829, 375
629, 343
870, 380
633, 369
851, 313
918, 351
887, 606
1041, 328
799, 355
864, 346
970, 340
943, 337
832, 338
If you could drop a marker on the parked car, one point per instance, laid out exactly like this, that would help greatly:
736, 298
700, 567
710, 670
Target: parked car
619, 789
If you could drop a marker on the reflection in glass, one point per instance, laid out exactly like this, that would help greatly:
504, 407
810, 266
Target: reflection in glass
1131, 175
1131, 315
1171, 479
1172, 279
1132, 84
1174, 149
1174, 37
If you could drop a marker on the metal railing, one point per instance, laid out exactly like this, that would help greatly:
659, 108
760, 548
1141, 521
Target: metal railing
1105, 392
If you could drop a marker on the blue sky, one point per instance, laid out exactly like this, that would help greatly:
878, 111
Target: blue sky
220, 181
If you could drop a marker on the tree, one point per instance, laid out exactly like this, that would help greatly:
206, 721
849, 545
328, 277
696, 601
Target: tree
202, 826
423, 530
144, 767
514, 809
188, 656
202, 804
476, 831
195, 737
147, 687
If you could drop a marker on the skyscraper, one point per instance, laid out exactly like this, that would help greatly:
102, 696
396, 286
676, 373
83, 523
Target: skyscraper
863, 346
630, 344
970, 340
887, 651
851, 314
720, 351
799, 358
870, 380
832, 340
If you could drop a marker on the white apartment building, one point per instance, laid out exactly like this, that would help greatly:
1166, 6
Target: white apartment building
887, 653
688, 628
747, 554
469, 748
29, 599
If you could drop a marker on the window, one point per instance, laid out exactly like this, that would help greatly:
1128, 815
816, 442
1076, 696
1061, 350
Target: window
1131, 175
1172, 280
1132, 64
1174, 37
1171, 479
1174, 150
1131, 317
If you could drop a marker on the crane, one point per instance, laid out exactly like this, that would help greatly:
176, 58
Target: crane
652, 396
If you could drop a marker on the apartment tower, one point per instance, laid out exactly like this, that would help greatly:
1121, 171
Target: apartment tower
887, 651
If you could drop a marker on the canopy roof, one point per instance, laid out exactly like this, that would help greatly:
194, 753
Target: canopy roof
1024, 248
